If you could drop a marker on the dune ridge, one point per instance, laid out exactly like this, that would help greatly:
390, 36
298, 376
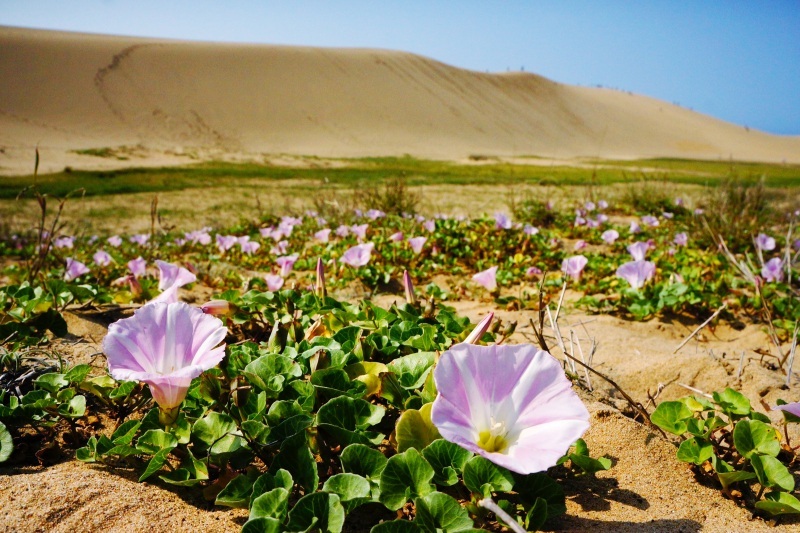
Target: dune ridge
71, 91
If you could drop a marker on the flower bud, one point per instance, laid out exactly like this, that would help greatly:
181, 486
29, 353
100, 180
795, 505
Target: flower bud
216, 307
411, 298
320, 285
480, 329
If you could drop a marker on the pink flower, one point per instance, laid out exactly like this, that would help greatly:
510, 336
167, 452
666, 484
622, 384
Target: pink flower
274, 282
602, 204
75, 269
533, 272
286, 263
417, 243
280, 248
166, 346
502, 221
512, 405
101, 258
140, 239
681, 239
374, 214
638, 250
114, 241
216, 307
487, 279
249, 247
637, 273
396, 237
573, 266
226, 242
765, 242
171, 278
323, 235
360, 231
772, 271
342, 231
64, 242
580, 245
610, 236
530, 230
791, 408
634, 228
650, 220
358, 255
138, 267
429, 225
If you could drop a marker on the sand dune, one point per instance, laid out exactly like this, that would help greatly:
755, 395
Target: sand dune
172, 99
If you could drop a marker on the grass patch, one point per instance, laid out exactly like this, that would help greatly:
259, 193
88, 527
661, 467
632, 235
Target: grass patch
414, 172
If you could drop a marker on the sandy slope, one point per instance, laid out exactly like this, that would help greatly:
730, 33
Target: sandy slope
183, 99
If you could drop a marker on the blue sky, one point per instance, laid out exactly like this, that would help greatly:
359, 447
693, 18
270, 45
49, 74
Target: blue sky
738, 61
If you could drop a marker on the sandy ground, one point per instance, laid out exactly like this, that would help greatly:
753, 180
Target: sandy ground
161, 102
647, 489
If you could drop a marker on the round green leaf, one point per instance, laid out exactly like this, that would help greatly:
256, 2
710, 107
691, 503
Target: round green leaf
320, 510
481, 476
732, 402
272, 504
6, 443
753, 436
407, 475
695, 450
363, 460
415, 430
440, 512
447, 459
672, 417
771, 472
777, 503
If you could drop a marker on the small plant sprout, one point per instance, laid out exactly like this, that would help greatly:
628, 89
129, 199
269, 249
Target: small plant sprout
511, 404
166, 346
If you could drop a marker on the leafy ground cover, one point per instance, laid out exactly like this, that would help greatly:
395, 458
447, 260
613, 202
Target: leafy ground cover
319, 411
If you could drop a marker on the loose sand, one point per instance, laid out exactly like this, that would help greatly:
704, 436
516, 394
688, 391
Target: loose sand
161, 102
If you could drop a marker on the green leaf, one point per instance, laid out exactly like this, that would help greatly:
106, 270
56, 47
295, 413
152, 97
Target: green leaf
263, 525
87, 454
51, 382
269, 373
353, 490
778, 503
590, 465
296, 457
77, 373
447, 459
237, 492
771, 472
732, 402
363, 460
440, 512
411, 370
537, 515
155, 440
671, 416
122, 391
6, 443
342, 417
396, 526
415, 429
155, 464
126, 431
482, 477
695, 450
181, 478
266, 482
217, 432
407, 475
540, 485
76, 407
272, 504
369, 373
751, 437
320, 510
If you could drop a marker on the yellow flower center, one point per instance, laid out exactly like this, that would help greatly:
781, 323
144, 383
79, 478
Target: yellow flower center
494, 439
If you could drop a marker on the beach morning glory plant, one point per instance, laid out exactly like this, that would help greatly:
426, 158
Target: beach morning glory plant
165, 345
512, 405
